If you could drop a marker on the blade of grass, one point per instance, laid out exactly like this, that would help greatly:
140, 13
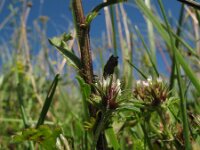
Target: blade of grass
108, 26
12, 120
86, 91
148, 52
178, 33
189, 48
114, 37
112, 138
151, 34
138, 70
126, 47
183, 103
20, 95
48, 101
180, 83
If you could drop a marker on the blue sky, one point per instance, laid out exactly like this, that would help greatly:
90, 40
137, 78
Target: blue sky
60, 16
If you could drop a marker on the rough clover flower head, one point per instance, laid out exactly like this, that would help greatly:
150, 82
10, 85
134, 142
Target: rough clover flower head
151, 91
109, 89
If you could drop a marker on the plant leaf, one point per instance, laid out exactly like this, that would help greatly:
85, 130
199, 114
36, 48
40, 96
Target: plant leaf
86, 91
45, 135
48, 101
60, 44
112, 139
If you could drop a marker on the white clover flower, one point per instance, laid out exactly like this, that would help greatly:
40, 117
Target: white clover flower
159, 80
139, 82
104, 83
117, 86
154, 91
145, 83
109, 89
149, 79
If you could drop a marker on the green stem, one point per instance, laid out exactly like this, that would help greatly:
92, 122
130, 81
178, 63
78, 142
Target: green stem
99, 130
151, 36
178, 33
23, 113
183, 101
162, 113
147, 51
155, 129
146, 137
183, 110
113, 31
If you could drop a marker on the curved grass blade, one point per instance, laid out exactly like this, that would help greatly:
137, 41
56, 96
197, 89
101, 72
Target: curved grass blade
48, 101
86, 91
189, 48
145, 47
178, 33
138, 70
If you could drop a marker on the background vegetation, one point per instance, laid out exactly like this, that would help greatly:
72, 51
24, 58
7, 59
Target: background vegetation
148, 108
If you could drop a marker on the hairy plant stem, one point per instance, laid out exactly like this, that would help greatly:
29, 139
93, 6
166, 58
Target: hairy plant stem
83, 40
82, 30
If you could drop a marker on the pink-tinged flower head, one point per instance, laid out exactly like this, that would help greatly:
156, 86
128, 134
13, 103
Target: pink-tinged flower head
151, 91
109, 89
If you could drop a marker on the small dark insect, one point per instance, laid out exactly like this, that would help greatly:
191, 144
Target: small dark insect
110, 66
